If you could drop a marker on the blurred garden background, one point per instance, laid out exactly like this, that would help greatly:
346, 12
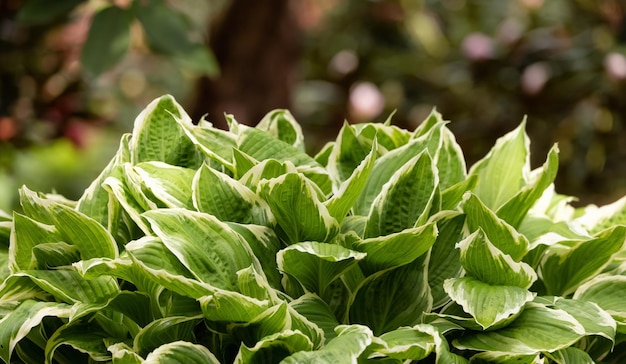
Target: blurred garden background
75, 73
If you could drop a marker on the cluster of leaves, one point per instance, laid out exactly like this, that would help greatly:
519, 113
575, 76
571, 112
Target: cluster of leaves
200, 245
167, 31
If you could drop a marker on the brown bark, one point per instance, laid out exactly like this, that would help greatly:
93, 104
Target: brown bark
257, 46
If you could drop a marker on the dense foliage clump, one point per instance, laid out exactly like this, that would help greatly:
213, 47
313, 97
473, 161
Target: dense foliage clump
197, 244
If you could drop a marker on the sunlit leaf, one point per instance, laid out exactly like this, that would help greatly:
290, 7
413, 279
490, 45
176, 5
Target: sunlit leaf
394, 250
299, 213
207, 247
316, 265
406, 200
16, 325
536, 329
565, 267
504, 170
181, 352
350, 342
490, 305
376, 301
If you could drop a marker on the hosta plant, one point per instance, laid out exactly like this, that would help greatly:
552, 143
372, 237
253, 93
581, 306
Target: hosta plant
201, 245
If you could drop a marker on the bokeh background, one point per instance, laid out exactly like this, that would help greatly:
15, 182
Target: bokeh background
75, 73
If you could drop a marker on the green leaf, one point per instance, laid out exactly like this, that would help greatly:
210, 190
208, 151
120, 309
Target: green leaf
494, 357
445, 260
414, 343
26, 235
387, 165
347, 153
394, 250
594, 319
107, 40
124, 354
490, 305
96, 201
450, 161
390, 299
317, 311
85, 338
166, 29
227, 306
227, 199
324, 154
515, 209
55, 255
567, 265
406, 200
200, 59
344, 198
207, 247
570, 355
283, 126
299, 213
215, 144
17, 324
75, 228
498, 231
163, 331
277, 319
264, 244
181, 352
316, 265
503, 171
273, 348
536, 329
155, 262
159, 134
35, 12
607, 292
171, 185
351, 341
483, 261
261, 146
70, 287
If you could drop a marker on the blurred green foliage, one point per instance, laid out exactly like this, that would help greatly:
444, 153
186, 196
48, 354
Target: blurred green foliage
484, 64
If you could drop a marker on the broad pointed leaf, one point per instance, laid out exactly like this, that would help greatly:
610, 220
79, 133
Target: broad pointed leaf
273, 348
16, 325
515, 209
163, 331
376, 305
207, 247
387, 165
350, 342
228, 199
181, 352
490, 305
283, 126
406, 200
171, 185
504, 170
316, 265
565, 267
536, 329
499, 232
157, 135
394, 250
299, 213
342, 201
483, 261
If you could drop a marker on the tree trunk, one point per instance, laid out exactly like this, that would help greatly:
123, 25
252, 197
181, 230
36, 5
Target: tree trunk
257, 45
